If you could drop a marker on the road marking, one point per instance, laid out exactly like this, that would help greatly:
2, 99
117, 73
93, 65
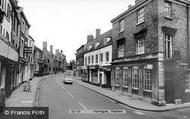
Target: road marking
70, 94
139, 113
82, 105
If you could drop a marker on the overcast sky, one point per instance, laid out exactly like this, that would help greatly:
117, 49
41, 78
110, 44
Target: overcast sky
65, 24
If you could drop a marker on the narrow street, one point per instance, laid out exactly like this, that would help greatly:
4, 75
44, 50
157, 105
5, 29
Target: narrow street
60, 98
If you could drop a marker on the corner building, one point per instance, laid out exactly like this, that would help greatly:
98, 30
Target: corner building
151, 51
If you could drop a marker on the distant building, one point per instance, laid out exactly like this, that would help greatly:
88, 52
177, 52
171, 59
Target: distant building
38, 61
80, 62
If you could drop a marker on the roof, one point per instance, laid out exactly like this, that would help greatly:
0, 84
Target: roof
138, 4
100, 40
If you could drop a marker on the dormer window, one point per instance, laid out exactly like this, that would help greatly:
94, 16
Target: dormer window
90, 47
97, 44
106, 40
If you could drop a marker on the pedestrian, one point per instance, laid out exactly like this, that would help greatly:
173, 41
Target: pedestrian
2, 99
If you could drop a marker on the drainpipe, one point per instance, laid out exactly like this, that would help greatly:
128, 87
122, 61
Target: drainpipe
188, 57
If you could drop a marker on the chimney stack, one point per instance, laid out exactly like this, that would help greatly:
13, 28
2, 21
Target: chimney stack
44, 45
130, 6
97, 33
57, 51
138, 1
90, 38
51, 49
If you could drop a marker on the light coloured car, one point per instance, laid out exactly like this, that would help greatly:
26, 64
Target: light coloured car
68, 80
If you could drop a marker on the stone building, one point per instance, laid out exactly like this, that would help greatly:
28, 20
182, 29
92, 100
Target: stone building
151, 51
48, 59
24, 49
38, 61
98, 58
8, 48
80, 62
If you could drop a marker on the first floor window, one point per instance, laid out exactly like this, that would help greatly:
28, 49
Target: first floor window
168, 46
107, 56
96, 58
125, 76
135, 77
85, 61
88, 59
140, 46
121, 50
147, 80
101, 57
92, 59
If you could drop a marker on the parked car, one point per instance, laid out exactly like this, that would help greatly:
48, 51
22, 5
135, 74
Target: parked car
68, 80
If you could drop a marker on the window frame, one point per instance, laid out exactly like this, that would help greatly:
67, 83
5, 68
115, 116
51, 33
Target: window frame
147, 85
168, 46
168, 8
125, 76
122, 25
140, 45
117, 75
140, 15
101, 57
135, 78
96, 58
121, 50
88, 59
92, 59
107, 56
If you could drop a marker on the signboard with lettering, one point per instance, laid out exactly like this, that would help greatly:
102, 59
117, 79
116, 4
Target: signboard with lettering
28, 50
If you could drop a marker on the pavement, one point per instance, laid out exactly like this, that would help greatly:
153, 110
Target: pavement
131, 101
19, 98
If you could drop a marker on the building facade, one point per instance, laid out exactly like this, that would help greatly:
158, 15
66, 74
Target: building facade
98, 58
80, 62
38, 61
151, 51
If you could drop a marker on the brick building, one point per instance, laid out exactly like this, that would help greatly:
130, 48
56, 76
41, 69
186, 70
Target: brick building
151, 51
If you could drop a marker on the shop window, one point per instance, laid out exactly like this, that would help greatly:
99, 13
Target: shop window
135, 78
117, 76
125, 76
94, 77
147, 80
168, 46
187, 83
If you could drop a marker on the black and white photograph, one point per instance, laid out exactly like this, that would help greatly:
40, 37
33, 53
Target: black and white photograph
94, 59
